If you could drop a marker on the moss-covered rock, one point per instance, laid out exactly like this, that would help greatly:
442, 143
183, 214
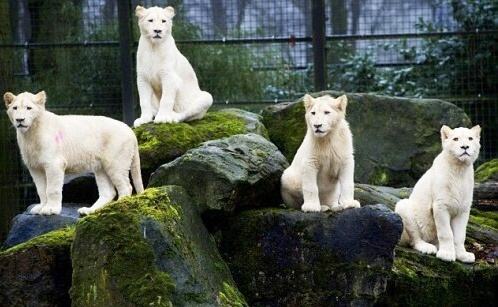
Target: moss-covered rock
487, 171
37, 272
395, 139
282, 257
26, 226
149, 250
222, 175
161, 143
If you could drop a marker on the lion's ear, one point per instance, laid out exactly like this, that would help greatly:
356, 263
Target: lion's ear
41, 98
8, 98
140, 11
308, 102
445, 132
170, 11
342, 103
476, 130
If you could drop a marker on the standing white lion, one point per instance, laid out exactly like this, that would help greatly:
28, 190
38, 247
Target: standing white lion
167, 85
321, 176
52, 146
435, 215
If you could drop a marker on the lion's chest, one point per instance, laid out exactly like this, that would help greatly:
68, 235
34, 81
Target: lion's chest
329, 166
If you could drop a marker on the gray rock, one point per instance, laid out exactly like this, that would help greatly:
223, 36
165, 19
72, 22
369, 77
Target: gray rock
281, 257
149, 250
26, 226
234, 172
395, 139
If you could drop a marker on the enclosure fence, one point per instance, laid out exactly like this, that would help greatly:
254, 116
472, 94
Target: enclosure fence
248, 53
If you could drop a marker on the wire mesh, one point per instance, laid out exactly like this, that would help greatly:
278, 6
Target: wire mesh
250, 53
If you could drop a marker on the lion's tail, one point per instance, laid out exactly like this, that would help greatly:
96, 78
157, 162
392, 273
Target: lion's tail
136, 174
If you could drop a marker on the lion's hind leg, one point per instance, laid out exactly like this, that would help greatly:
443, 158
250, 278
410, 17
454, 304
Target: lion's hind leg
411, 233
291, 190
107, 192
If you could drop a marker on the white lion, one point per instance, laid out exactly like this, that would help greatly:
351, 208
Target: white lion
167, 85
321, 176
52, 145
437, 211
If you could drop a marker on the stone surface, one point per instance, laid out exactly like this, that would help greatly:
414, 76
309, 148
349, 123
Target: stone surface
395, 139
487, 171
37, 272
149, 250
282, 257
162, 143
26, 226
223, 175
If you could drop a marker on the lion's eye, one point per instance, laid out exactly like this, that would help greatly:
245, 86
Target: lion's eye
29, 108
455, 139
313, 113
326, 112
163, 21
150, 20
470, 138
15, 108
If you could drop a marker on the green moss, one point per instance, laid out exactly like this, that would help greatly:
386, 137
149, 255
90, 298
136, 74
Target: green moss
482, 218
161, 143
422, 280
59, 237
131, 269
231, 297
380, 176
488, 170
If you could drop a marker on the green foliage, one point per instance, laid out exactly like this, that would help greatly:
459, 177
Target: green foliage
59, 237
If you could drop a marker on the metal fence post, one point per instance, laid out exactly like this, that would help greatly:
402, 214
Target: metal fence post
125, 42
318, 35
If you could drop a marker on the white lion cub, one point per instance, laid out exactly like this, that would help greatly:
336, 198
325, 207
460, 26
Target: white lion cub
322, 172
52, 146
438, 209
167, 85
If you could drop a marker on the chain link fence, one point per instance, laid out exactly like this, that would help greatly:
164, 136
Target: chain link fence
247, 53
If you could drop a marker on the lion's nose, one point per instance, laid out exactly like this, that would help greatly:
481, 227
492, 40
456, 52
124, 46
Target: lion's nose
464, 147
19, 120
158, 31
317, 126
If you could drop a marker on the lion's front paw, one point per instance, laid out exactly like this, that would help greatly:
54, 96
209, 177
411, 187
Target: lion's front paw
47, 209
425, 248
311, 207
140, 121
86, 210
36, 209
446, 255
171, 117
466, 257
353, 203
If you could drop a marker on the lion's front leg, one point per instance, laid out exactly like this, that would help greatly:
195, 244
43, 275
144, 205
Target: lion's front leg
310, 190
55, 180
146, 108
170, 86
39, 179
346, 182
459, 227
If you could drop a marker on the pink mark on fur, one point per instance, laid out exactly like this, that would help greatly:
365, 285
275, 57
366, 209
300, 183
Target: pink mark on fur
59, 137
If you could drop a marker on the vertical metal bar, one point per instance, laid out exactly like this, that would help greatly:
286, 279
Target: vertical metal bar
125, 38
318, 35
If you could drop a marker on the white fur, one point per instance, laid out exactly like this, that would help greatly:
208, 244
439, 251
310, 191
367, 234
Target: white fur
167, 85
437, 211
322, 172
52, 146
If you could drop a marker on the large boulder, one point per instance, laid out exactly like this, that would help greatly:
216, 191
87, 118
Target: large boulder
150, 249
223, 175
161, 143
395, 139
37, 272
282, 257
26, 226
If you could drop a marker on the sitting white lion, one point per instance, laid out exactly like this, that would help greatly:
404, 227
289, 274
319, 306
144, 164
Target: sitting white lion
52, 146
322, 173
437, 211
167, 85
